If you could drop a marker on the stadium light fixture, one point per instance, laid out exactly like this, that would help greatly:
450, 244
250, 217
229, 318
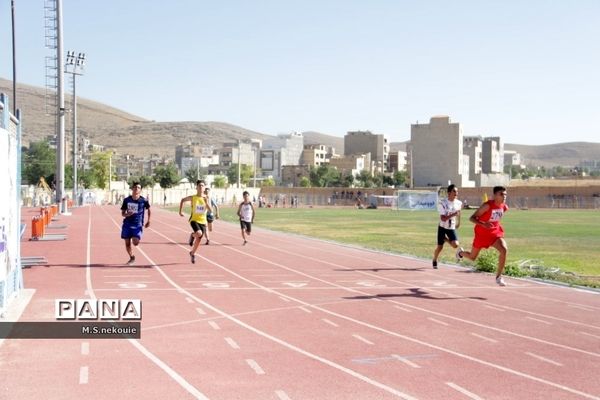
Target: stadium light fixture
74, 66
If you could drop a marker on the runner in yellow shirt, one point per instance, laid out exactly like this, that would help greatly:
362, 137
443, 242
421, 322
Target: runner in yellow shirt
200, 206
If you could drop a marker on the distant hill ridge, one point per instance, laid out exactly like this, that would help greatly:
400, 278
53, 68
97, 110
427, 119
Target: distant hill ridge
128, 133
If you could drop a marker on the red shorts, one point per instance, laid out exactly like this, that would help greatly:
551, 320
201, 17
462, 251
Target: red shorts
484, 238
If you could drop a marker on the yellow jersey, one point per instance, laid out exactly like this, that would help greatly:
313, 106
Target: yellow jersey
198, 209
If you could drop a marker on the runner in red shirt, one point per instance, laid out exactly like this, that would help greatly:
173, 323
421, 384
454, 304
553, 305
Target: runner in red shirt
489, 232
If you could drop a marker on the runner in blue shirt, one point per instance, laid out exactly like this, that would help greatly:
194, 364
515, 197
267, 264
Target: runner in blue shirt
132, 210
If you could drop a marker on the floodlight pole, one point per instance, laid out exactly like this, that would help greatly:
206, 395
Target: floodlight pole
77, 64
60, 145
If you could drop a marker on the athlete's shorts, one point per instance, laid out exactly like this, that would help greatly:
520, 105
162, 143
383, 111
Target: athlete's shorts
210, 217
247, 226
131, 231
444, 233
486, 239
198, 227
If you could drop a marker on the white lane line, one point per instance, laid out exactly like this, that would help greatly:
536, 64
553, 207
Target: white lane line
126, 276
157, 361
406, 361
200, 311
259, 332
306, 310
85, 348
134, 282
284, 299
214, 325
464, 391
585, 308
437, 321
484, 338
362, 339
402, 308
589, 334
539, 320
254, 365
329, 322
281, 395
494, 308
232, 343
544, 359
363, 323
83, 375
191, 301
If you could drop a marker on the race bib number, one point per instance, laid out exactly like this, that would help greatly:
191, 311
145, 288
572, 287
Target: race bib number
496, 215
132, 208
200, 209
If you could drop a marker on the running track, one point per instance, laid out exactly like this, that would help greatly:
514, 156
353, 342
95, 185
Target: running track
288, 317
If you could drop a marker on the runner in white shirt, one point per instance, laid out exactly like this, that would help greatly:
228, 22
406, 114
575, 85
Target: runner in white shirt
246, 214
449, 210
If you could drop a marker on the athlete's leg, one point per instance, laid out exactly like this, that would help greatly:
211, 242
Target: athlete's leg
471, 255
502, 248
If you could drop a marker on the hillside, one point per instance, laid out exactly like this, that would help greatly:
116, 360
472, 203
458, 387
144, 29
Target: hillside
117, 129
128, 133
560, 154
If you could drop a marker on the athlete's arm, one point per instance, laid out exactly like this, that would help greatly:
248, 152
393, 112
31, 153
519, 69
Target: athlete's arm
480, 211
148, 221
189, 198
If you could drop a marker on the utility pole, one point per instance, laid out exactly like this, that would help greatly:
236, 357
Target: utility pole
239, 182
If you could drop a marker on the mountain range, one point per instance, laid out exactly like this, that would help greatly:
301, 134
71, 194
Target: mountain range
128, 133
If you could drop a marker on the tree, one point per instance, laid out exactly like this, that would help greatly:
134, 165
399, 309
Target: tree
220, 181
39, 161
86, 178
268, 182
348, 180
304, 182
324, 176
99, 165
192, 175
400, 178
246, 173
364, 178
144, 180
166, 175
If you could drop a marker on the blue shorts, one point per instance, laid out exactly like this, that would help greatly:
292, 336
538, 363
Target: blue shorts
131, 231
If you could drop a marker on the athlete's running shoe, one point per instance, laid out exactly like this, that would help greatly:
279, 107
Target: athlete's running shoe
131, 260
459, 254
193, 258
434, 263
500, 281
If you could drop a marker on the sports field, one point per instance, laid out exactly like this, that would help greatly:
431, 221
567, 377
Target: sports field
567, 239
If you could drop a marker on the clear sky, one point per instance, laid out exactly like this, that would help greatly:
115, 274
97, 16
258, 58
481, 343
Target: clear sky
527, 71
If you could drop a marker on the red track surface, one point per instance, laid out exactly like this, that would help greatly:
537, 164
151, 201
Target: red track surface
287, 317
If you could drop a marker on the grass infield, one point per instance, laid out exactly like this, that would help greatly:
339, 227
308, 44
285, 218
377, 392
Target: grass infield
557, 238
